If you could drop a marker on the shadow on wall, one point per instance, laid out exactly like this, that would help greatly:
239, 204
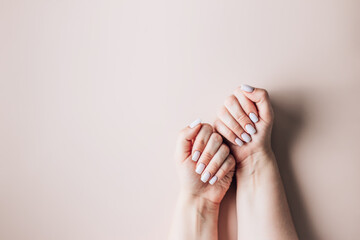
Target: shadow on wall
289, 121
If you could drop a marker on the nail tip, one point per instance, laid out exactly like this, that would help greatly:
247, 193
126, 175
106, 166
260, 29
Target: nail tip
213, 180
250, 129
253, 117
246, 137
195, 156
195, 123
205, 177
239, 142
247, 88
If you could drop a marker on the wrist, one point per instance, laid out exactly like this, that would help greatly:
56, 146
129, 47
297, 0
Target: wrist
261, 156
202, 205
256, 163
196, 218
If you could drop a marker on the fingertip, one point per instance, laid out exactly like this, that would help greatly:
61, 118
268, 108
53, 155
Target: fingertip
253, 117
195, 123
247, 88
239, 142
213, 180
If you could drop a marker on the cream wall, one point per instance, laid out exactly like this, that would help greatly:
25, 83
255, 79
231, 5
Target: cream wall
93, 93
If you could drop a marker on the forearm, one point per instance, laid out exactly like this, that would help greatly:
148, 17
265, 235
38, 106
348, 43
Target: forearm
262, 208
195, 218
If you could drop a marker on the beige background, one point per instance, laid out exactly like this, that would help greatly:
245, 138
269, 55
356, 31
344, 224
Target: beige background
93, 93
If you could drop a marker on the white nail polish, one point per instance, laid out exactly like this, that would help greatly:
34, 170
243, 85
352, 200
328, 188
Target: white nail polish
250, 129
195, 156
200, 168
205, 177
253, 117
195, 123
246, 137
247, 88
239, 142
213, 180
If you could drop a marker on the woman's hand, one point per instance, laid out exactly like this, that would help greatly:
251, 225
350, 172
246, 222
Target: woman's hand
246, 120
206, 170
245, 117
204, 164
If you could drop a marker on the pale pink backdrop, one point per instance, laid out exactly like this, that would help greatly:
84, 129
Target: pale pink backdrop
93, 93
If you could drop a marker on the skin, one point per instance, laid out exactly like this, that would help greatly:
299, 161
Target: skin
262, 208
197, 210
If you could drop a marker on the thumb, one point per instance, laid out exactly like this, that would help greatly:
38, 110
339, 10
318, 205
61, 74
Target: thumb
262, 101
185, 140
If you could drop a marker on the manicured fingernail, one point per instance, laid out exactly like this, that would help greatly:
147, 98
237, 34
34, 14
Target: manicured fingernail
253, 117
205, 177
246, 137
239, 142
195, 123
195, 156
213, 180
200, 168
250, 129
247, 88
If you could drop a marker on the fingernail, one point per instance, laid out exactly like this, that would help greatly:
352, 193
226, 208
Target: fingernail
239, 142
246, 137
205, 177
247, 88
213, 180
250, 129
253, 117
200, 168
195, 123
195, 156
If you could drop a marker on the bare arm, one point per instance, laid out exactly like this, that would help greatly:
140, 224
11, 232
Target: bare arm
262, 208
246, 121
195, 218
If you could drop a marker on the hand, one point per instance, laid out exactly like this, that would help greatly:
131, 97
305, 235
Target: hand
246, 116
204, 164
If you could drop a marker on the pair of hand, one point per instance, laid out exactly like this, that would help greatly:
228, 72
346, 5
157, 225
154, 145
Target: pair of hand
208, 156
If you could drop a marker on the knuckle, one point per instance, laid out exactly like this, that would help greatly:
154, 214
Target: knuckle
221, 172
200, 144
231, 160
230, 100
213, 167
207, 127
238, 91
181, 133
217, 137
206, 157
222, 112
237, 128
225, 149
241, 118
264, 94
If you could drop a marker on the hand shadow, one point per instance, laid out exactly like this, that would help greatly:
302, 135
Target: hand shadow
289, 120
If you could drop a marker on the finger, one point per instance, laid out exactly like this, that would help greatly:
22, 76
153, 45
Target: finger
226, 169
235, 109
232, 124
247, 105
211, 148
221, 128
185, 139
201, 140
262, 101
215, 162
